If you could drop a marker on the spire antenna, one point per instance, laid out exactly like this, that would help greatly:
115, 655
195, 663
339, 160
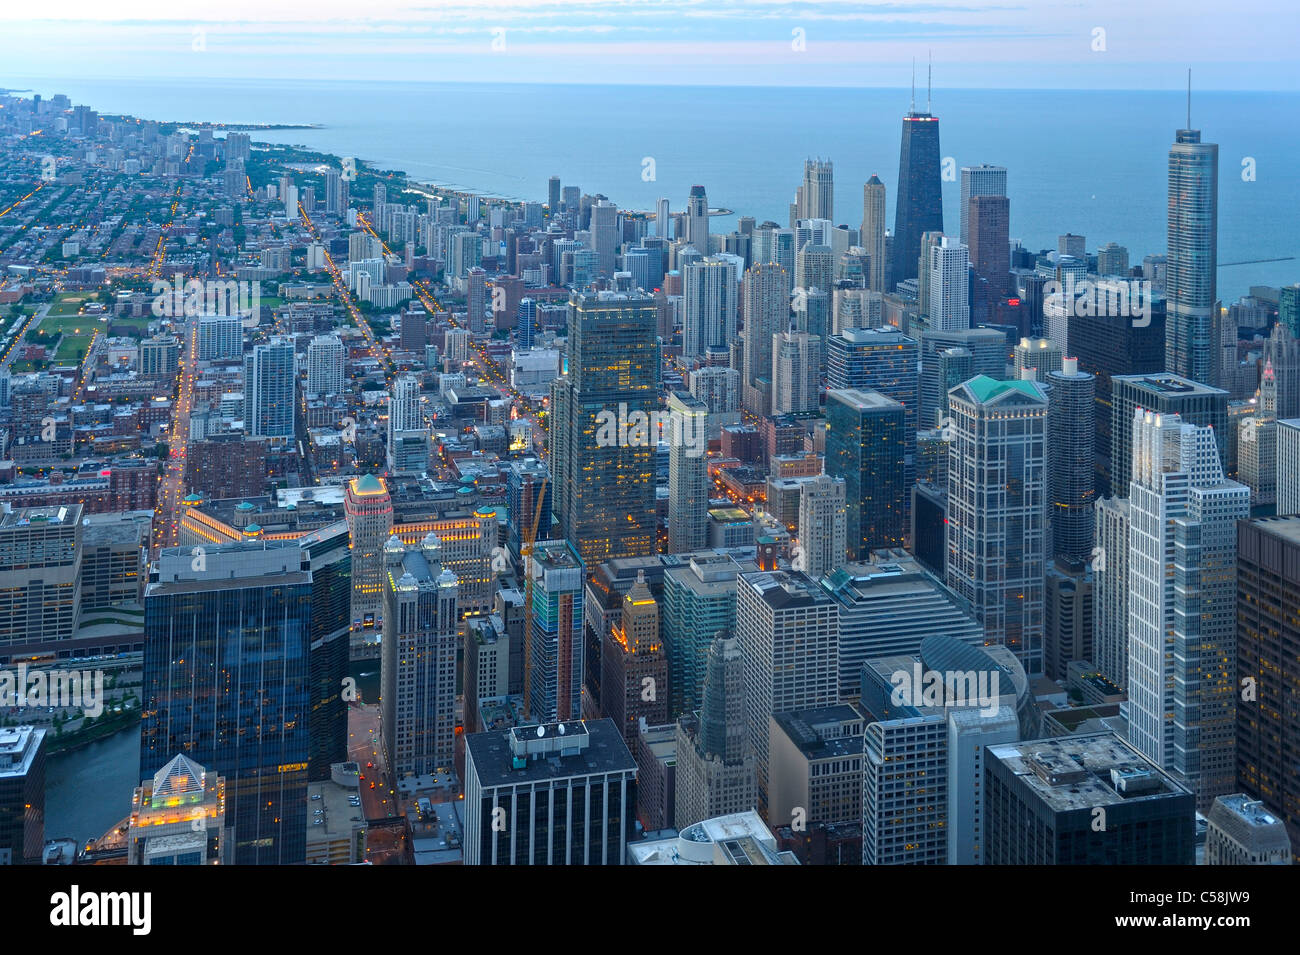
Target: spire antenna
1189, 97
929, 73
913, 84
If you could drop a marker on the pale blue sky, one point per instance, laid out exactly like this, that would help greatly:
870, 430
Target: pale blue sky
1112, 44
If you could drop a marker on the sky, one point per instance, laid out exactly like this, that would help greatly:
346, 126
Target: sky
1003, 44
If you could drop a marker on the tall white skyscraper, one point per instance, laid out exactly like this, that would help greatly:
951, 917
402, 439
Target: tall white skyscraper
270, 386
604, 234
949, 286
291, 203
1110, 590
823, 525
325, 365
1183, 603
709, 306
997, 510
796, 372
981, 180
766, 298
663, 220
688, 475
873, 232
788, 630
816, 195
408, 438
697, 219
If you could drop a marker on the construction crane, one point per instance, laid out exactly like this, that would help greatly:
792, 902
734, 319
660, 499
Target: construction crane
526, 552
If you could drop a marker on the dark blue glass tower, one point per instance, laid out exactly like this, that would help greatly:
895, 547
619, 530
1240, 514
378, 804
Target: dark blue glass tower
919, 207
226, 682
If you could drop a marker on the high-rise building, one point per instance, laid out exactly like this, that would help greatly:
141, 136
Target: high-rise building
1288, 467
22, 795
866, 446
178, 817
1257, 457
408, 438
369, 510
814, 268
604, 490
1193, 257
1112, 259
699, 603
709, 306
1167, 394
688, 475
796, 372
230, 618
1241, 831
766, 302
1267, 611
526, 503
328, 554
1040, 355
1279, 383
555, 689
1071, 434
716, 768
325, 365
822, 525
40, 579
418, 661
981, 180
816, 197
1182, 612
634, 678
873, 233
949, 286
788, 630
270, 389
1110, 591
550, 794
988, 350
526, 321
697, 220
553, 195
919, 206
605, 235
475, 299
1084, 800
997, 505
990, 245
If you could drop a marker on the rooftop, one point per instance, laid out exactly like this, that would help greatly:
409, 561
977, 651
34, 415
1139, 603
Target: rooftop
596, 747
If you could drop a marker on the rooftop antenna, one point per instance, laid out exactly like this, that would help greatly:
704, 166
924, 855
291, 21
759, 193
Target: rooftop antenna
913, 84
929, 72
1189, 97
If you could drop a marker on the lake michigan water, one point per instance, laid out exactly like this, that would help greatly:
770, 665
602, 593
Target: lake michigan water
1088, 162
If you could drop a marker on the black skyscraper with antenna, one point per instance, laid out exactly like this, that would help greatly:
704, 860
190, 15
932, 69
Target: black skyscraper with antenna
920, 202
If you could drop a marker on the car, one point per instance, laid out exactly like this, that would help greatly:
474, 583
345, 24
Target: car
315, 796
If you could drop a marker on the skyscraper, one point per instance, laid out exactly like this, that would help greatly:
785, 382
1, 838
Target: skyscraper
554, 794
788, 631
1110, 591
1182, 655
1071, 433
475, 298
634, 678
553, 195
369, 511
873, 233
866, 443
765, 295
697, 219
408, 438
604, 234
557, 658
997, 493
981, 180
1193, 256
226, 682
1268, 611
817, 193
325, 365
270, 390
1039, 355
796, 372
949, 286
716, 769
822, 525
22, 795
1166, 394
709, 306
688, 476
603, 489
663, 220
418, 663
990, 245
919, 207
